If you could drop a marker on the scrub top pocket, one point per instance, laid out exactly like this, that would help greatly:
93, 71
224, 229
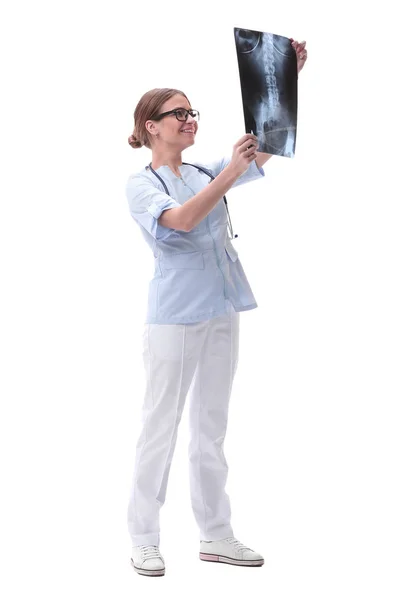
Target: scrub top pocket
188, 287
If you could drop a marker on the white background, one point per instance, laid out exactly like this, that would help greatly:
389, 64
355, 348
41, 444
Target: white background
313, 436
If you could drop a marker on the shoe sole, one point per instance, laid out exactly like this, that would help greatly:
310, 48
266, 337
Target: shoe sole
231, 561
148, 572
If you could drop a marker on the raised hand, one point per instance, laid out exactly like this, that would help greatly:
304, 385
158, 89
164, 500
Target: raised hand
301, 53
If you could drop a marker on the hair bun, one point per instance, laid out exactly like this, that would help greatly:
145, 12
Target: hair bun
134, 142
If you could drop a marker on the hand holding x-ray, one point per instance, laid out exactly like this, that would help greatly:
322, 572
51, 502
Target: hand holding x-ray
301, 52
244, 151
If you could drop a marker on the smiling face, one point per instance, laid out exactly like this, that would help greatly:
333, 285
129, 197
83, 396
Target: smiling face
179, 134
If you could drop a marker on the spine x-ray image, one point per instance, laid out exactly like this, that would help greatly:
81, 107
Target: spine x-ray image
268, 80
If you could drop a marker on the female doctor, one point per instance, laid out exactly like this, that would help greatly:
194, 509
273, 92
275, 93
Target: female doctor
191, 333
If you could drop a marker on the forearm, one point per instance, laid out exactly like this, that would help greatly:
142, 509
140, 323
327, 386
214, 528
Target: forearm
199, 206
262, 158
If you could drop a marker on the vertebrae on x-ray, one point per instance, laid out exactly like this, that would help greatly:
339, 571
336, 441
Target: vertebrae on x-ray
269, 113
269, 64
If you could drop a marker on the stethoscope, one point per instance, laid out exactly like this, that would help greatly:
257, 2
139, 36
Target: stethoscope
231, 234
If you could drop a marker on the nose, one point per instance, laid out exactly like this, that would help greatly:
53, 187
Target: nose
190, 119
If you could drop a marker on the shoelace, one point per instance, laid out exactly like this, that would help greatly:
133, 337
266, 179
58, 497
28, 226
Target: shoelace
238, 545
150, 552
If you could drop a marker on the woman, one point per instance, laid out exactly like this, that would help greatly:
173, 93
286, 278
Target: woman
191, 333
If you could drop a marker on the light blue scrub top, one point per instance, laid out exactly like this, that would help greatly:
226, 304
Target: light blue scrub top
197, 274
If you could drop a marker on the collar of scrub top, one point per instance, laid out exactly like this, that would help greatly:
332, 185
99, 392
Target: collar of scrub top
207, 172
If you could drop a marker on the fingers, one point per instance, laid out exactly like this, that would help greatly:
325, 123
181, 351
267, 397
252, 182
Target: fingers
300, 48
246, 138
249, 144
302, 54
298, 45
247, 152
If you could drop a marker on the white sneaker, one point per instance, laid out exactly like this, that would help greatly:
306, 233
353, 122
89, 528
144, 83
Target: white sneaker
147, 560
230, 551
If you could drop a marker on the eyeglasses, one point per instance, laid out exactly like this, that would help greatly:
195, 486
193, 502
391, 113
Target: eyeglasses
180, 113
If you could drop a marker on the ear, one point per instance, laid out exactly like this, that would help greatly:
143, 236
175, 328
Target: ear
151, 127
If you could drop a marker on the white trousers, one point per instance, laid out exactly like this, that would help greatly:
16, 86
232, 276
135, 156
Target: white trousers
175, 356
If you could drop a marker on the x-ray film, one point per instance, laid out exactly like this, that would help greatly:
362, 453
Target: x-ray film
268, 80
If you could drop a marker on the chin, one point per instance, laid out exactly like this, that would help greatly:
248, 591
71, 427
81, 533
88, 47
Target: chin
187, 145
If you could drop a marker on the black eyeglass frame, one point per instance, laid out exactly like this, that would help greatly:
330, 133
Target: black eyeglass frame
175, 111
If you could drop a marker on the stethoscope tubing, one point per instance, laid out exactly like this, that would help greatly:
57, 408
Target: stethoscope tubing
207, 172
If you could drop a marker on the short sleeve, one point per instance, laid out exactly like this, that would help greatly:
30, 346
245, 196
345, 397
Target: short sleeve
253, 171
146, 204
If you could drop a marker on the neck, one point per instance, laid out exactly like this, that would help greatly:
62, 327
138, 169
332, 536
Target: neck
170, 158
